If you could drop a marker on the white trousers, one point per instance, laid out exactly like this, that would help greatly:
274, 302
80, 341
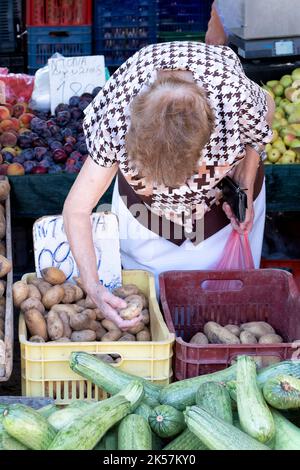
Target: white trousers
143, 249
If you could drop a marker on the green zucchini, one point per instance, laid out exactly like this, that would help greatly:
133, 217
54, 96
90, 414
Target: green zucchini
186, 441
216, 434
157, 442
134, 433
28, 426
48, 410
109, 441
62, 418
287, 435
254, 414
88, 429
291, 367
7, 442
282, 392
183, 393
213, 397
143, 410
109, 378
166, 421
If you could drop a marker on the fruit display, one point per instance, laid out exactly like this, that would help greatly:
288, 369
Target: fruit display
38, 143
285, 145
60, 311
221, 415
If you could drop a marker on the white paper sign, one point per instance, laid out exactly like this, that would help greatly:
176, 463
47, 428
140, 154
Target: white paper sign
51, 247
73, 76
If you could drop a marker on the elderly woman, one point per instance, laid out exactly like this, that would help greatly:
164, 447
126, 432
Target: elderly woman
170, 124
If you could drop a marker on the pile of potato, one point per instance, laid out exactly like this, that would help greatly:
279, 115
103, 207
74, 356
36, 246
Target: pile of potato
60, 311
5, 264
247, 333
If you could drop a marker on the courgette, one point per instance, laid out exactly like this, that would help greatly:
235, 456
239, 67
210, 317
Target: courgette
28, 426
109, 441
7, 442
109, 378
291, 367
216, 434
287, 435
48, 410
282, 392
186, 441
62, 418
254, 414
183, 393
213, 397
166, 421
134, 433
143, 410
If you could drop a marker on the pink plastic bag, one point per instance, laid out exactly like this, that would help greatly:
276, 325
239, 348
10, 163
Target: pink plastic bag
237, 255
15, 87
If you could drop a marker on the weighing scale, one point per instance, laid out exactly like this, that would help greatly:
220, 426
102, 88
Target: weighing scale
269, 29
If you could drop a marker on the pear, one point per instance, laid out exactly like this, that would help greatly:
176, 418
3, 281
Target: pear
295, 128
278, 100
296, 84
295, 144
294, 118
279, 113
273, 155
275, 135
279, 145
276, 124
288, 139
292, 94
278, 90
272, 83
283, 122
296, 74
288, 157
286, 81
268, 148
283, 103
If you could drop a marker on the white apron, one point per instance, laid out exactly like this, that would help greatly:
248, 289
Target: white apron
143, 249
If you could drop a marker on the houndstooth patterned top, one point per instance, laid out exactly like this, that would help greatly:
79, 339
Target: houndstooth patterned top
240, 109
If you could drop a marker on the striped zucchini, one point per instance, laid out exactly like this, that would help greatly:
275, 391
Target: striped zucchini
109, 441
287, 435
143, 410
216, 434
86, 431
62, 418
186, 441
213, 397
6, 441
166, 421
48, 410
109, 378
283, 392
254, 414
28, 426
183, 393
134, 433
291, 367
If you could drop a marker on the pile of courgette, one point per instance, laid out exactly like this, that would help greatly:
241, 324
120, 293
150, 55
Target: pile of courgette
233, 409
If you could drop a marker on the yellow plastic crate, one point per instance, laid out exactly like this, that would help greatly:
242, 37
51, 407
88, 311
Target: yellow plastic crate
45, 366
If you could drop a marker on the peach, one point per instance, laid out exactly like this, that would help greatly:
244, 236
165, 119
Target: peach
8, 139
25, 119
4, 113
3, 169
1, 159
23, 130
16, 123
15, 169
9, 107
6, 125
17, 150
19, 109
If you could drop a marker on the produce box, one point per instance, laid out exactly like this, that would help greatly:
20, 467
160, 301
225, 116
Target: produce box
45, 366
58, 12
6, 363
290, 265
263, 295
283, 188
36, 402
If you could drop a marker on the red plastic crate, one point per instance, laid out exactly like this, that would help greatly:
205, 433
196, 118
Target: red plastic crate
264, 295
58, 12
290, 265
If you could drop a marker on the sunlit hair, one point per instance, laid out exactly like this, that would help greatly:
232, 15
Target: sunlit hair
171, 123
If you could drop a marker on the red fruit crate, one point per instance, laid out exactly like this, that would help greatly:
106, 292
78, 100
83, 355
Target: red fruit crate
262, 295
58, 12
290, 265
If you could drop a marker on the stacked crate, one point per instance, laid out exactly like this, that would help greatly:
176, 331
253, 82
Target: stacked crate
63, 26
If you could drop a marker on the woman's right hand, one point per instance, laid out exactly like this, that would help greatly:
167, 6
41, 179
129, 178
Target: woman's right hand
109, 304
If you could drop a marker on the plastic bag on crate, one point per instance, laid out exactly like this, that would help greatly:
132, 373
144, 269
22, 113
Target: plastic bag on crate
40, 100
237, 255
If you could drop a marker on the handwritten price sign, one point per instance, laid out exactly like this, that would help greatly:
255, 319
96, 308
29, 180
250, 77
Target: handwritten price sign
73, 76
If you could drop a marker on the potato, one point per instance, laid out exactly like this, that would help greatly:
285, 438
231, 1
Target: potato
143, 335
125, 291
258, 328
2, 324
34, 292
20, 292
2, 226
109, 325
217, 334
99, 314
134, 330
105, 358
30, 303
270, 339
199, 338
81, 303
43, 286
70, 293
145, 316
247, 337
119, 359
54, 276
90, 313
79, 283
36, 339
100, 331
5, 266
53, 296
89, 303
78, 293
62, 340
138, 299
80, 321
2, 248
127, 337
68, 309
4, 189
36, 323
134, 308
66, 323
54, 325
112, 335
269, 360
2, 209
234, 329
83, 336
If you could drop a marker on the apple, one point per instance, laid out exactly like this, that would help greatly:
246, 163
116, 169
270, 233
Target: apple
288, 157
268, 148
286, 81
279, 145
296, 74
288, 139
273, 155
272, 83
278, 90
275, 135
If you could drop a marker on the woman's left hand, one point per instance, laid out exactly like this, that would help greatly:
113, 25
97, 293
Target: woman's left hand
240, 227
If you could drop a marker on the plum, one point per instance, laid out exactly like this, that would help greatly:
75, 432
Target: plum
61, 108
75, 156
46, 162
63, 117
54, 169
46, 133
39, 153
51, 122
25, 140
87, 97
12, 150
27, 154
6, 157
59, 156
54, 129
39, 142
81, 147
8, 139
74, 101
28, 166
66, 132
37, 125
83, 104
76, 113
69, 148
70, 140
79, 127
55, 145
19, 159
96, 91
39, 170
